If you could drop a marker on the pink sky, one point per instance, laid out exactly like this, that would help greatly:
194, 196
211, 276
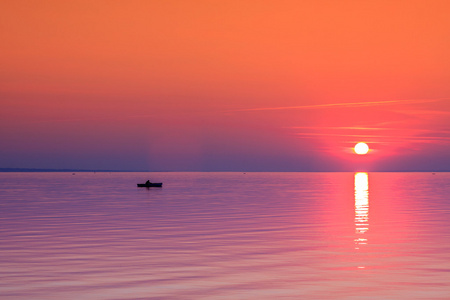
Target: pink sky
225, 85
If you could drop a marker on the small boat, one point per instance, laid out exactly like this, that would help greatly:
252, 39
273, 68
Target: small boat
153, 184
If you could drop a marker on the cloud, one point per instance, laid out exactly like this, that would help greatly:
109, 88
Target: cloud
426, 112
382, 138
346, 104
338, 128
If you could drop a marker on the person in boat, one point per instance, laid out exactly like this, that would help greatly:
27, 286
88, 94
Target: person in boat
148, 182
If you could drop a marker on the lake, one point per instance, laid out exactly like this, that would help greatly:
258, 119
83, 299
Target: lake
225, 236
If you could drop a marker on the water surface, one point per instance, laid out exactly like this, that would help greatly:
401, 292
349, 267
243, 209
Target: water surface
225, 236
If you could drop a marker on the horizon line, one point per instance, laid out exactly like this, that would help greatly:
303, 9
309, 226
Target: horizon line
45, 170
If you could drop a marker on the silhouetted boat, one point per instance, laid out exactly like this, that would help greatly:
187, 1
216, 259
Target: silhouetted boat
153, 184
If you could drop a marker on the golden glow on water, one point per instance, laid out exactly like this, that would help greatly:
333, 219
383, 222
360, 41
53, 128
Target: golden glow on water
361, 208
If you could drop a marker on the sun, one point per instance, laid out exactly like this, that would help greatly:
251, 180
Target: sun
361, 148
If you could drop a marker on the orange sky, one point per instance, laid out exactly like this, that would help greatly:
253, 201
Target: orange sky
225, 85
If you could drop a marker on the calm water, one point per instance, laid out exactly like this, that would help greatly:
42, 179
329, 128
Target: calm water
225, 236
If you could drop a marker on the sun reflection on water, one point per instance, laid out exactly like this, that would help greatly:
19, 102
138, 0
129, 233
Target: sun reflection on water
361, 208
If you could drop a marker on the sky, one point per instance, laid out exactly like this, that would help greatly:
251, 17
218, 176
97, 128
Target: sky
225, 85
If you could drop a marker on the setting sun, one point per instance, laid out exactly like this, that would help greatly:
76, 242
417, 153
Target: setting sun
361, 148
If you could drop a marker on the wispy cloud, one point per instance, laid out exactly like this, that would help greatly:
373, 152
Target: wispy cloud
350, 128
426, 112
338, 128
380, 138
346, 104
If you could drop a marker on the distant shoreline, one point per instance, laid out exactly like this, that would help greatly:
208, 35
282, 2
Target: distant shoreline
6, 170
